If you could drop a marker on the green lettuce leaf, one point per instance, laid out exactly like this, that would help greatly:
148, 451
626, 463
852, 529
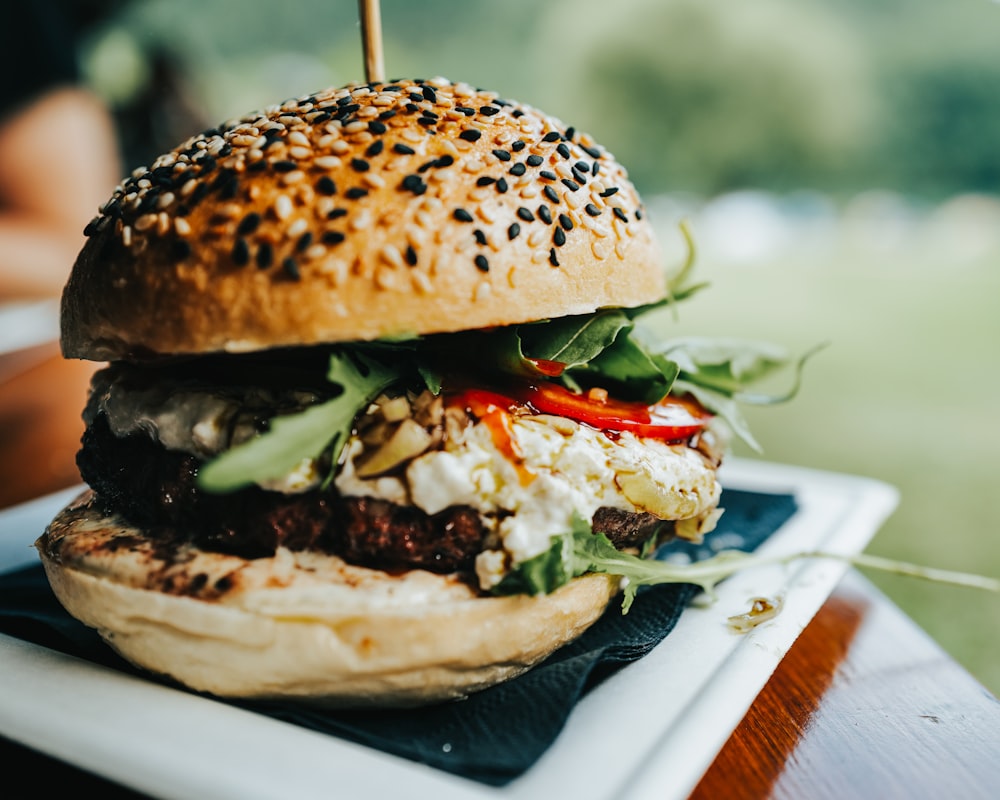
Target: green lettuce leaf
305, 434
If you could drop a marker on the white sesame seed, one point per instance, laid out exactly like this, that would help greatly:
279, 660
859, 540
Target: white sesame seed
449, 147
487, 213
412, 135
357, 126
529, 190
340, 147
243, 140
373, 180
421, 282
368, 112
294, 176
144, 183
182, 226
315, 252
282, 206
300, 153
442, 175
620, 250
384, 99
188, 187
391, 255
482, 292
386, 278
361, 220
539, 256
563, 171
336, 269
537, 236
145, 222
297, 228
600, 249
163, 223
299, 138
424, 219
164, 200
324, 205
473, 165
573, 199
504, 137
127, 236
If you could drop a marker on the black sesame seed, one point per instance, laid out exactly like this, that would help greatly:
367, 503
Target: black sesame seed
376, 127
552, 136
638, 213
411, 256
321, 117
403, 149
595, 168
413, 108
241, 252
566, 222
482, 264
563, 150
501, 185
465, 110
332, 237
337, 213
609, 192
179, 249
583, 166
489, 111
256, 166
593, 152
514, 229
445, 161
551, 193
284, 165
426, 121
620, 214
326, 185
375, 148
525, 214
534, 161
343, 101
570, 132
518, 169
304, 241
485, 180
265, 255
430, 94
92, 227
544, 214
462, 215
479, 236
503, 155
553, 258
579, 176
517, 146
593, 210
517, 113
470, 135
360, 165
383, 116
416, 97
291, 268
413, 183
559, 237
549, 176
248, 224
571, 185
356, 192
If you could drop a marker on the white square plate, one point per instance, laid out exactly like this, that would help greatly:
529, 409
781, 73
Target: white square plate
650, 730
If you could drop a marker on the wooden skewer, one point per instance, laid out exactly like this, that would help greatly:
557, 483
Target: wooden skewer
371, 40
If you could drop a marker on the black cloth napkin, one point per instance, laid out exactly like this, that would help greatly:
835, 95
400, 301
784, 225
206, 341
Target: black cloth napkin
493, 736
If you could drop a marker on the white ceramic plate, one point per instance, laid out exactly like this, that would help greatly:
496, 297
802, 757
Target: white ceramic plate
651, 730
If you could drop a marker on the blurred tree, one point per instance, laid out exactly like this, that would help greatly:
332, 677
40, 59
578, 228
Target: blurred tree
705, 95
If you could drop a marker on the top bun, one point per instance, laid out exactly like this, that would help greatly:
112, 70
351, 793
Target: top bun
369, 211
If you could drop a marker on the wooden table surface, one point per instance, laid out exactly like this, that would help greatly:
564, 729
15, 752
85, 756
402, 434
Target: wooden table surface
864, 705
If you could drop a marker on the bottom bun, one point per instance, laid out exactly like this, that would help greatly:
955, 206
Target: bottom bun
301, 625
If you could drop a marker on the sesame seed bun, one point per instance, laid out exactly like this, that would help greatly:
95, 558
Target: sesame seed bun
368, 211
304, 625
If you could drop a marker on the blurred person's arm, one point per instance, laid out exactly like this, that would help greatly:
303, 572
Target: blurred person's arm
58, 163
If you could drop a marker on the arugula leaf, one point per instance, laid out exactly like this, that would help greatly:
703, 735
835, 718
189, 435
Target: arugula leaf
573, 341
580, 551
305, 434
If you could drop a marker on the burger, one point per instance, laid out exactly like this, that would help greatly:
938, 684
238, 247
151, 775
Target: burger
377, 421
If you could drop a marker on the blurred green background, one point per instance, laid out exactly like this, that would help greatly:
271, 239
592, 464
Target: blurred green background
838, 161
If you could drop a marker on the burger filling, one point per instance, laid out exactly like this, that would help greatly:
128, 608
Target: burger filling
391, 456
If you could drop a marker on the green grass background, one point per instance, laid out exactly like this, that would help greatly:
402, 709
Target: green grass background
907, 390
